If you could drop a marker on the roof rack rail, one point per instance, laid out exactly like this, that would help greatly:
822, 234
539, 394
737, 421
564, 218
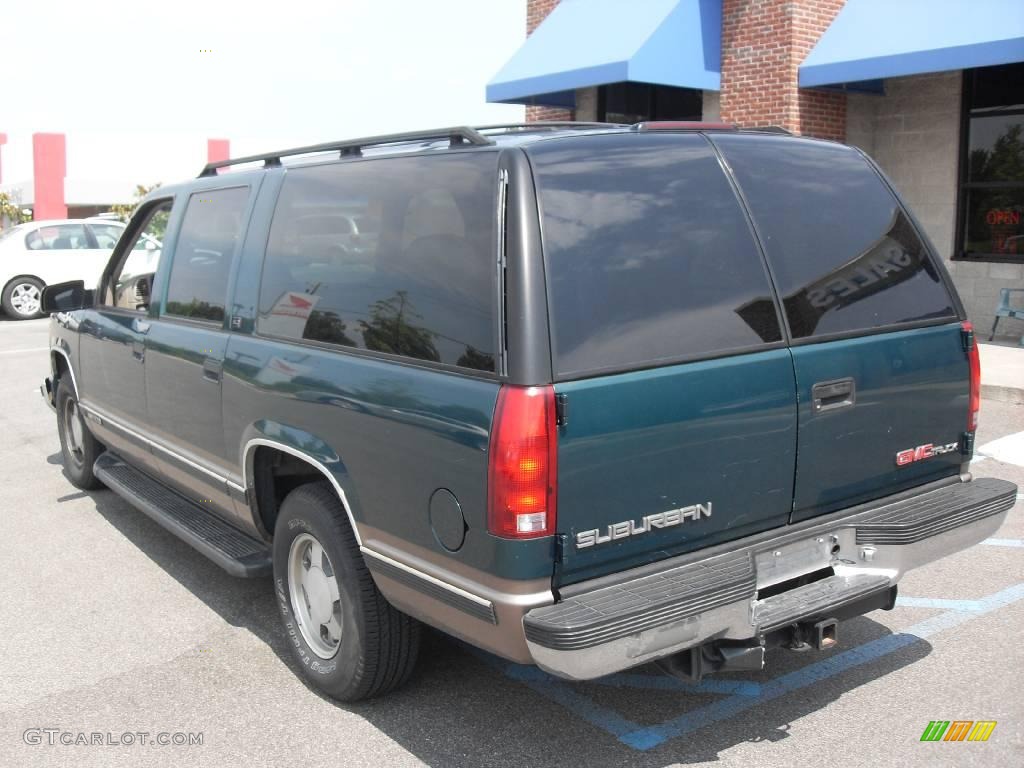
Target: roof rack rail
353, 147
546, 125
769, 129
682, 125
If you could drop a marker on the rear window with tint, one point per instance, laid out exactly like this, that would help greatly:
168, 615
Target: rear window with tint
844, 254
649, 256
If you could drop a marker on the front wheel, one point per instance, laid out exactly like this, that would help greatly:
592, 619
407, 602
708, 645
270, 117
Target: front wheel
23, 298
350, 642
78, 447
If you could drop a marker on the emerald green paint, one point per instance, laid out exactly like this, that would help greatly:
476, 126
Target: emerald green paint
719, 432
911, 389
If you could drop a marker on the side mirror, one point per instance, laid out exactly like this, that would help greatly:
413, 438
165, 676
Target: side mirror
64, 297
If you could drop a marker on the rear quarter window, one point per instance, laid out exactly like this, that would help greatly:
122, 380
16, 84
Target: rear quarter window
649, 256
844, 254
393, 255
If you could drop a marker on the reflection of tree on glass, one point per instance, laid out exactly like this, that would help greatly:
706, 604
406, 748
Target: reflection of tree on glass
195, 308
389, 329
1004, 162
327, 326
994, 214
474, 358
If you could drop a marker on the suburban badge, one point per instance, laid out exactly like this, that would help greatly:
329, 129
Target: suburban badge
627, 528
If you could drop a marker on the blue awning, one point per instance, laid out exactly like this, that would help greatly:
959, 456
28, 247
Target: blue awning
583, 43
873, 39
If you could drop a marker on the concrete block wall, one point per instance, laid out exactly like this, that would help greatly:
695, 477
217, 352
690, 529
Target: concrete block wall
712, 107
913, 133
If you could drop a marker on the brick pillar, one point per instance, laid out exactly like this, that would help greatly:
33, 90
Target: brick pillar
49, 167
536, 12
763, 44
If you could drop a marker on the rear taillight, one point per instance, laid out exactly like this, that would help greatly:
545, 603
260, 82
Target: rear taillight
522, 464
975, 361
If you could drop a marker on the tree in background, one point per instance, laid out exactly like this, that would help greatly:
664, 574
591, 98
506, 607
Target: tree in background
11, 213
124, 211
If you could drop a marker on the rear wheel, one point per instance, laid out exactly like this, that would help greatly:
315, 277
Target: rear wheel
22, 298
78, 447
350, 642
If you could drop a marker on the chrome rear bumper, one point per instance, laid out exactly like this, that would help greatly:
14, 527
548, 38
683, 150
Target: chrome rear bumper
646, 614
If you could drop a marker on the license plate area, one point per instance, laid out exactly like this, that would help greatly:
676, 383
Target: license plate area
794, 559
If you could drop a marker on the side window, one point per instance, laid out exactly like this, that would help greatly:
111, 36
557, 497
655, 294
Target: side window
131, 283
106, 235
202, 257
844, 254
393, 255
58, 237
648, 255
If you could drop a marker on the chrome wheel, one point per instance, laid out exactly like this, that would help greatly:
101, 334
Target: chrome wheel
315, 601
25, 298
74, 430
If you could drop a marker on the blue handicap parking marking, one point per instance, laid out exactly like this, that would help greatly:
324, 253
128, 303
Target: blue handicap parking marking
741, 695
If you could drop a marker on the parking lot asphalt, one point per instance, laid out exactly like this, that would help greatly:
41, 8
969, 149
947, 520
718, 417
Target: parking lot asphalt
111, 626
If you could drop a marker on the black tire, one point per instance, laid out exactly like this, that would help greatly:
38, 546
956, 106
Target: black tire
78, 455
378, 644
11, 304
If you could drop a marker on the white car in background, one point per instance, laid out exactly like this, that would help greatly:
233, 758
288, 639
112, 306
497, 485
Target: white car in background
42, 253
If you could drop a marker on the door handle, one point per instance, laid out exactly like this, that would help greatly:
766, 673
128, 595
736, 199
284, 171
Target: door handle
832, 395
140, 326
212, 370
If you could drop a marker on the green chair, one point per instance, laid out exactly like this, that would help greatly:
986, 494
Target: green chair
1005, 310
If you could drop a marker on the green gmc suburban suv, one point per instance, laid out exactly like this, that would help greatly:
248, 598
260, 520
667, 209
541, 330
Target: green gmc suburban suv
585, 396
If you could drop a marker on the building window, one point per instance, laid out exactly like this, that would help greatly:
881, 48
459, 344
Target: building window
991, 201
636, 102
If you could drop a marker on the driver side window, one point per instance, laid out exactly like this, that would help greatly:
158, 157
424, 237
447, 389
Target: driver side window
131, 284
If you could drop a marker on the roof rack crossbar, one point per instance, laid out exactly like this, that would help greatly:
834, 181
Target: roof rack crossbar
352, 147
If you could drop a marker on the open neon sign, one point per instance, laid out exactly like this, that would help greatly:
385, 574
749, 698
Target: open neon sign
996, 216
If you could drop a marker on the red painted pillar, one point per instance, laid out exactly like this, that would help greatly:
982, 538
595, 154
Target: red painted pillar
3, 140
217, 150
49, 167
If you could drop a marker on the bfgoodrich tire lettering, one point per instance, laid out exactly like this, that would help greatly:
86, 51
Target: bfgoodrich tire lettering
78, 448
378, 645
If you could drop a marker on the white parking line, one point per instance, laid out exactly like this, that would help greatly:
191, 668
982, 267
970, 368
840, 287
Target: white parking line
1009, 449
23, 351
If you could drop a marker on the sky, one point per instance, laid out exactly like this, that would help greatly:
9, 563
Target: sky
138, 87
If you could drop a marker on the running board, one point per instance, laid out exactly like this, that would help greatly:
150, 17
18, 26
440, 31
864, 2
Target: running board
234, 551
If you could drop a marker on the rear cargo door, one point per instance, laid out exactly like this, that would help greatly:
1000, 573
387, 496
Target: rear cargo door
678, 392
880, 361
